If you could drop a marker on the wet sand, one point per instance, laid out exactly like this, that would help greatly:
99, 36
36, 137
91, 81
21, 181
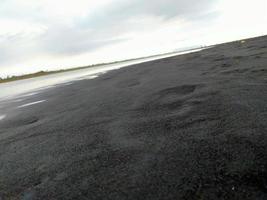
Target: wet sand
187, 127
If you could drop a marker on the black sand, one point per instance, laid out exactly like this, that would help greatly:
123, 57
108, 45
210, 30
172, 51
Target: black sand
187, 127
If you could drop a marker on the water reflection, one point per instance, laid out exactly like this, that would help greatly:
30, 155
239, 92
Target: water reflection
30, 104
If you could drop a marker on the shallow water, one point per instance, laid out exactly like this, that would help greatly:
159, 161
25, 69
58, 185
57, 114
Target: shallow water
32, 103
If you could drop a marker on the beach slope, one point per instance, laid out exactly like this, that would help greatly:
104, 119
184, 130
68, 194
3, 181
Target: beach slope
187, 127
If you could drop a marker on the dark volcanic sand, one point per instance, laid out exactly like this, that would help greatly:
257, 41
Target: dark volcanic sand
187, 127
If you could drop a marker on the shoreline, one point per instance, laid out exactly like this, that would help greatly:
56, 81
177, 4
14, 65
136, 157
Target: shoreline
45, 73
14, 88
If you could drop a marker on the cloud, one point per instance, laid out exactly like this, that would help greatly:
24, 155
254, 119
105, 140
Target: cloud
73, 27
122, 12
82, 30
63, 41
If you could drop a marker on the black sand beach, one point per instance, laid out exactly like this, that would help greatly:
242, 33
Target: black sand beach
187, 127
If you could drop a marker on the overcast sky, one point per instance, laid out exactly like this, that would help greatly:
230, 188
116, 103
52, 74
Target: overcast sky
51, 34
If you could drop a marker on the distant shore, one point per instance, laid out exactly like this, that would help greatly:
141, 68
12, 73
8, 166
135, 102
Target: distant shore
44, 73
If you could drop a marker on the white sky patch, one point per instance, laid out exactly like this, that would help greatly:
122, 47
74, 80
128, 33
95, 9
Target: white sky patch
60, 9
23, 28
32, 103
241, 19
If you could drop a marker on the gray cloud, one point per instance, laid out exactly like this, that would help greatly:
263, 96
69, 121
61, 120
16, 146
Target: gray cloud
62, 40
115, 19
124, 10
105, 26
